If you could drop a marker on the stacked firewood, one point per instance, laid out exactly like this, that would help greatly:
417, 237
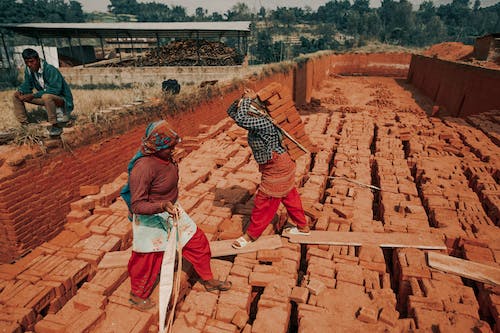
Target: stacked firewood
187, 53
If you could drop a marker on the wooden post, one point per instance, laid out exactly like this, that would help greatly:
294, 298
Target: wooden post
158, 47
81, 49
5, 49
70, 48
119, 51
39, 40
102, 46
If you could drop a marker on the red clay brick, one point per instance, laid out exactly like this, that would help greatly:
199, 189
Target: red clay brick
83, 204
240, 319
89, 190
315, 286
389, 316
45, 326
368, 315
299, 295
86, 321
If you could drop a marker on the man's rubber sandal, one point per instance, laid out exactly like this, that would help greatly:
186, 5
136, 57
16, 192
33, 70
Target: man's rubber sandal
240, 243
221, 285
296, 231
141, 304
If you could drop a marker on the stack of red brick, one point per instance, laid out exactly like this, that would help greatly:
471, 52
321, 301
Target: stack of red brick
483, 183
433, 298
48, 281
281, 107
347, 205
400, 205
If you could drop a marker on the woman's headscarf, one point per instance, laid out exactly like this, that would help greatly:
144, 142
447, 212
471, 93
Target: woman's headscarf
158, 136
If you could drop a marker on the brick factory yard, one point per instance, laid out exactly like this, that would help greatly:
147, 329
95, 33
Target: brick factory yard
438, 177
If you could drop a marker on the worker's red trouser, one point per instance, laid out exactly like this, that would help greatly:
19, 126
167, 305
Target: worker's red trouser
265, 207
144, 268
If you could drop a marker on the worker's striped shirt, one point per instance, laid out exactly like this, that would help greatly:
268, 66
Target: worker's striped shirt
263, 136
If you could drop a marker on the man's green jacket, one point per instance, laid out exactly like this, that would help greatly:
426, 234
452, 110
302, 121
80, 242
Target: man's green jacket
54, 84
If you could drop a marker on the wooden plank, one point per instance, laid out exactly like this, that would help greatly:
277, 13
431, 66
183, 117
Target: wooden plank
390, 240
468, 269
224, 248
115, 259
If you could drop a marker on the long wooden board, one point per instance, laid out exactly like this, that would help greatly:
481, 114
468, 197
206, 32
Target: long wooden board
224, 248
468, 269
391, 240
219, 249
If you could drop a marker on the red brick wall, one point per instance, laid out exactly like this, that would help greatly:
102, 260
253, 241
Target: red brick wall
310, 72
372, 64
35, 195
459, 89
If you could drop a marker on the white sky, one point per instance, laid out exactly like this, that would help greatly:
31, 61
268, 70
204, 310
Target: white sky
221, 6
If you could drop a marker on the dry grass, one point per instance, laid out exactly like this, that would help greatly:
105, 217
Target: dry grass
377, 47
87, 102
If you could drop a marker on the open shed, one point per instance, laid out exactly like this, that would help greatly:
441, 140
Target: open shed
127, 32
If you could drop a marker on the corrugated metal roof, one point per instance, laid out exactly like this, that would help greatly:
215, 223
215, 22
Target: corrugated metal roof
204, 30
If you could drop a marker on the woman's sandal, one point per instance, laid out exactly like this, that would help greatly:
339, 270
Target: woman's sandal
141, 304
240, 243
220, 285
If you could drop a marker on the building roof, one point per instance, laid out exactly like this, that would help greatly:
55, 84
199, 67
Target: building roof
184, 30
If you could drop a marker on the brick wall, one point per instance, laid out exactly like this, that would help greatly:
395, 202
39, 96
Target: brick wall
458, 89
371, 64
310, 72
154, 75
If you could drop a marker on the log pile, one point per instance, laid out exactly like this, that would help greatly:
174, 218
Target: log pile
187, 53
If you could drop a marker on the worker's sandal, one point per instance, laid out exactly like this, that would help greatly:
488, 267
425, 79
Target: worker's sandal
219, 285
296, 231
140, 303
240, 243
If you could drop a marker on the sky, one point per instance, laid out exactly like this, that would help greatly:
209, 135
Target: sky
221, 6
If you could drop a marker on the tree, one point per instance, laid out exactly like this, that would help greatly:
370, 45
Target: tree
426, 11
123, 7
74, 12
372, 24
200, 14
334, 12
477, 5
262, 13
264, 49
9, 12
457, 16
398, 21
361, 6
179, 14
285, 16
429, 29
216, 17
239, 12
